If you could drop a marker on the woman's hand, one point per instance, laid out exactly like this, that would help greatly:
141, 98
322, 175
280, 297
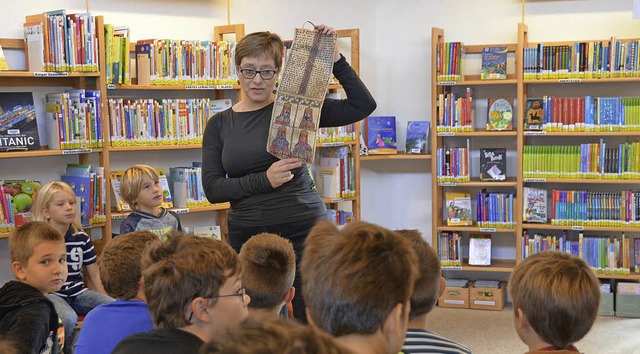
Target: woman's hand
280, 171
326, 29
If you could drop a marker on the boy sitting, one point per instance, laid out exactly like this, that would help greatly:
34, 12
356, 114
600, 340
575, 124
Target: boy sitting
268, 268
140, 188
39, 262
555, 301
357, 283
120, 270
193, 289
428, 288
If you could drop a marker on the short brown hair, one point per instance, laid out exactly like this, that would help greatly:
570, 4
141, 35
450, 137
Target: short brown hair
267, 335
354, 277
427, 287
24, 239
258, 44
132, 180
268, 269
558, 293
179, 270
120, 265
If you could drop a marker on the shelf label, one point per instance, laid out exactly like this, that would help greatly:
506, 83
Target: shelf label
76, 151
447, 83
484, 302
335, 143
336, 200
451, 267
577, 228
534, 132
535, 180
447, 184
180, 210
446, 133
50, 74
118, 216
487, 229
224, 87
200, 87
111, 86
569, 81
453, 302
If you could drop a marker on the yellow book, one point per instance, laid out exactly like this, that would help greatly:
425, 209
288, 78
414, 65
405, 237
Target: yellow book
3, 61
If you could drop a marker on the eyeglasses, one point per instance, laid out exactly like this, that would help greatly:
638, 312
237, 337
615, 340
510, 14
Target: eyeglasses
241, 292
267, 74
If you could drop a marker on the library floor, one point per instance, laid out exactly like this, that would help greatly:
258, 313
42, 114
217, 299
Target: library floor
492, 332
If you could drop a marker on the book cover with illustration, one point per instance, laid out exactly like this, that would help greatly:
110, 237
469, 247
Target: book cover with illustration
458, 206
82, 187
417, 137
167, 202
18, 199
533, 114
119, 203
500, 116
493, 164
480, 249
494, 63
18, 125
380, 135
534, 206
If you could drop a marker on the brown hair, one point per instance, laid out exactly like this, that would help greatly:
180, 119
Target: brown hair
120, 265
258, 44
558, 293
264, 335
24, 239
354, 277
44, 196
132, 180
427, 287
268, 268
181, 269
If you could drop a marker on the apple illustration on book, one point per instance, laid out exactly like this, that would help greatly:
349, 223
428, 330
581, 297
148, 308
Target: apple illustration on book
21, 194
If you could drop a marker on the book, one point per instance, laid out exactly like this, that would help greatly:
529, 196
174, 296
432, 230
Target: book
120, 204
3, 61
417, 137
212, 231
82, 187
19, 195
167, 202
380, 132
533, 114
480, 249
500, 115
494, 63
534, 205
493, 164
458, 206
18, 123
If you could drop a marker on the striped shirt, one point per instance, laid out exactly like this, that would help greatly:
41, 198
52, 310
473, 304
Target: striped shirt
80, 253
419, 341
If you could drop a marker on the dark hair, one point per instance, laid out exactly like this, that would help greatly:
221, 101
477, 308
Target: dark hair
258, 44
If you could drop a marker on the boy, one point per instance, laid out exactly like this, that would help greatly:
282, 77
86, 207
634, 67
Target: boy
268, 268
193, 289
357, 283
140, 188
39, 262
555, 301
428, 288
120, 270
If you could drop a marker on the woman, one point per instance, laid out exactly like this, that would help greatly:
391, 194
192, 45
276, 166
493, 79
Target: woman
267, 194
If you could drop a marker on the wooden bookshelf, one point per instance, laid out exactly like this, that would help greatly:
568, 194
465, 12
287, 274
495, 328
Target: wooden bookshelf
399, 156
154, 147
478, 132
497, 265
476, 182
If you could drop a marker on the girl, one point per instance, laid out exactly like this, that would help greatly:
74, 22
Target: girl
55, 203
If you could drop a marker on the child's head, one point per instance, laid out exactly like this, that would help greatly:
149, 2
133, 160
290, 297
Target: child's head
140, 187
38, 256
120, 265
55, 203
357, 279
430, 283
192, 280
557, 294
268, 269
267, 335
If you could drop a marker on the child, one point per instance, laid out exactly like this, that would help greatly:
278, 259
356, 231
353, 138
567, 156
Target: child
357, 283
140, 188
555, 301
55, 203
27, 318
268, 268
428, 288
121, 273
193, 289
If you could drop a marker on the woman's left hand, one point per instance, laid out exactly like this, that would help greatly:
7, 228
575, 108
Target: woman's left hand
326, 29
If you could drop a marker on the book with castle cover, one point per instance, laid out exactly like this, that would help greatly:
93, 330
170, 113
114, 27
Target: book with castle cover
417, 137
480, 249
494, 63
458, 208
380, 135
493, 164
500, 116
533, 114
534, 205
18, 124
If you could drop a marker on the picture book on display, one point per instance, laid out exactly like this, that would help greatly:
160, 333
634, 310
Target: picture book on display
480, 249
120, 204
534, 205
458, 206
18, 124
493, 164
16, 200
417, 137
500, 116
380, 133
494, 63
533, 114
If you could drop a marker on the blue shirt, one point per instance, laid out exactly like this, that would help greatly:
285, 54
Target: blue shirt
106, 325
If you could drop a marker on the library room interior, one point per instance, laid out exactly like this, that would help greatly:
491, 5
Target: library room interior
494, 144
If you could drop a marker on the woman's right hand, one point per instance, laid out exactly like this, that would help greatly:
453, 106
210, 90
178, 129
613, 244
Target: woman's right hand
280, 171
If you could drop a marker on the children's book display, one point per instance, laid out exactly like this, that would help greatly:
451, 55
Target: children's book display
494, 63
480, 249
380, 135
493, 164
300, 96
18, 124
16, 199
500, 116
533, 114
120, 204
458, 206
417, 137
535, 205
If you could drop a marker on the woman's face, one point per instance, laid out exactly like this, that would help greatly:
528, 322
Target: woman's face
258, 91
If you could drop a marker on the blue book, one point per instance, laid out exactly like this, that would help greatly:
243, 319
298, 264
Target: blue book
417, 137
494, 63
381, 135
81, 186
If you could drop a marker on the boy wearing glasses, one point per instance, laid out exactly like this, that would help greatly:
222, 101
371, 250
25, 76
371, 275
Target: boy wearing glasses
193, 290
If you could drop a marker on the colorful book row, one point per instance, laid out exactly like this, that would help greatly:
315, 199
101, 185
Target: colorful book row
455, 113
339, 217
586, 208
449, 248
335, 172
336, 134
452, 164
495, 210
74, 119
449, 61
